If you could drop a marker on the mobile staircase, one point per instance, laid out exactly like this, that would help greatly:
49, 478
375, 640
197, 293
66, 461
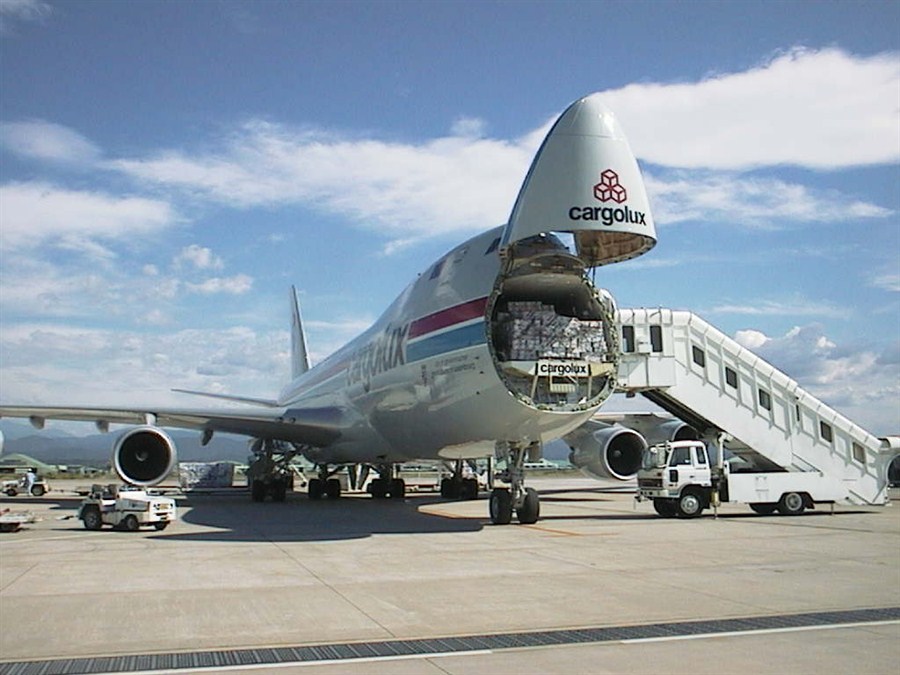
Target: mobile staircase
729, 395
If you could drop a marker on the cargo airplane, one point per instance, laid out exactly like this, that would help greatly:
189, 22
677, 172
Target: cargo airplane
501, 345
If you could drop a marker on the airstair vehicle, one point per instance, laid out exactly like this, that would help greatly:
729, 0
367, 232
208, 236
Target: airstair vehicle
733, 397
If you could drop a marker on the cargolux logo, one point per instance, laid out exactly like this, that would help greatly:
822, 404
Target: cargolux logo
608, 189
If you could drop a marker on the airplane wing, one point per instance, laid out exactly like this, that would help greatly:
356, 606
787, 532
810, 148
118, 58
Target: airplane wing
310, 426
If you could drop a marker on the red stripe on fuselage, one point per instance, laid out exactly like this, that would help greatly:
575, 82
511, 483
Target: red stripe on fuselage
447, 317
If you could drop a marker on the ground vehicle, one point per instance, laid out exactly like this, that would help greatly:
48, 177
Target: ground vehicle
680, 480
126, 507
14, 487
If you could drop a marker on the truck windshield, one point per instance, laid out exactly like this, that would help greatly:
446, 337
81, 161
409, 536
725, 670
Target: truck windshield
653, 458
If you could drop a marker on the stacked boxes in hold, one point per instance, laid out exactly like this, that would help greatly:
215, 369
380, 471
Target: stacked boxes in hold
533, 330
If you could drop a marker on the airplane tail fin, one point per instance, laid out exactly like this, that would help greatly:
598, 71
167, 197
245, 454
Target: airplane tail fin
299, 355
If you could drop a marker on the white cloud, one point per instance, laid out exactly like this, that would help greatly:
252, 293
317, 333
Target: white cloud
46, 141
199, 257
236, 285
821, 109
889, 281
37, 214
796, 306
104, 367
862, 383
738, 199
407, 191
12, 11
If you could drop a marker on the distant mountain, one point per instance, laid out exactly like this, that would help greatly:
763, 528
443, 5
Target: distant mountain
96, 449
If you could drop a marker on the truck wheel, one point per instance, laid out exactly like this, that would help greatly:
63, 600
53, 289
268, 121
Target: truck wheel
791, 504
763, 508
91, 518
12, 492
314, 489
131, 523
690, 505
333, 488
398, 488
665, 507
161, 525
501, 506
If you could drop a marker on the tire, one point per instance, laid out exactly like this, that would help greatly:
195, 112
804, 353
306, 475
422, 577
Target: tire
501, 506
161, 525
530, 510
333, 488
91, 519
665, 507
131, 523
38, 490
315, 489
791, 504
398, 488
278, 491
378, 488
763, 508
258, 490
12, 492
469, 489
690, 505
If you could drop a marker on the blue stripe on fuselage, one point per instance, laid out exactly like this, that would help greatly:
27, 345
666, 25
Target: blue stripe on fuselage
449, 341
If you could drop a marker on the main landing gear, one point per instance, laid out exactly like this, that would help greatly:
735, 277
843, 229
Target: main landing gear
325, 484
524, 501
387, 485
457, 486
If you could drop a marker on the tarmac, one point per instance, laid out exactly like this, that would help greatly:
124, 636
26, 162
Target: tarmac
429, 586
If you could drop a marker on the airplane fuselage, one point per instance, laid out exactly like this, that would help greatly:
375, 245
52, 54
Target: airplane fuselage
423, 381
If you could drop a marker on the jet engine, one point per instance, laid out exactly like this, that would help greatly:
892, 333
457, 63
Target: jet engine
607, 452
673, 430
144, 456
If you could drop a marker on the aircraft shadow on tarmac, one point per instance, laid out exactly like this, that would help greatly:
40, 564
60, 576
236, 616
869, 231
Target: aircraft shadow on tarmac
237, 518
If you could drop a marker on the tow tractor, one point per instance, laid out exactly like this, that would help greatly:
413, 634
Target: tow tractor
680, 480
126, 507
13, 487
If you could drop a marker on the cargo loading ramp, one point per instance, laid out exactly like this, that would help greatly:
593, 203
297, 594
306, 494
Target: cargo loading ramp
697, 373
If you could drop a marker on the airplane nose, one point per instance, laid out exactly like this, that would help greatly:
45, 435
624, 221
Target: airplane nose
590, 117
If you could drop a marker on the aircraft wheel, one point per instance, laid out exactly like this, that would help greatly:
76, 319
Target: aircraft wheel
91, 518
398, 488
763, 508
501, 506
530, 510
378, 488
665, 507
257, 490
314, 489
690, 505
278, 492
131, 523
791, 504
333, 488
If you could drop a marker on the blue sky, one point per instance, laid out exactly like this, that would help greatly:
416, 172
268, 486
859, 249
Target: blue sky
168, 169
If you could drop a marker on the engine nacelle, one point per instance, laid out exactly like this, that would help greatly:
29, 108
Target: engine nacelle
673, 430
144, 456
610, 452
